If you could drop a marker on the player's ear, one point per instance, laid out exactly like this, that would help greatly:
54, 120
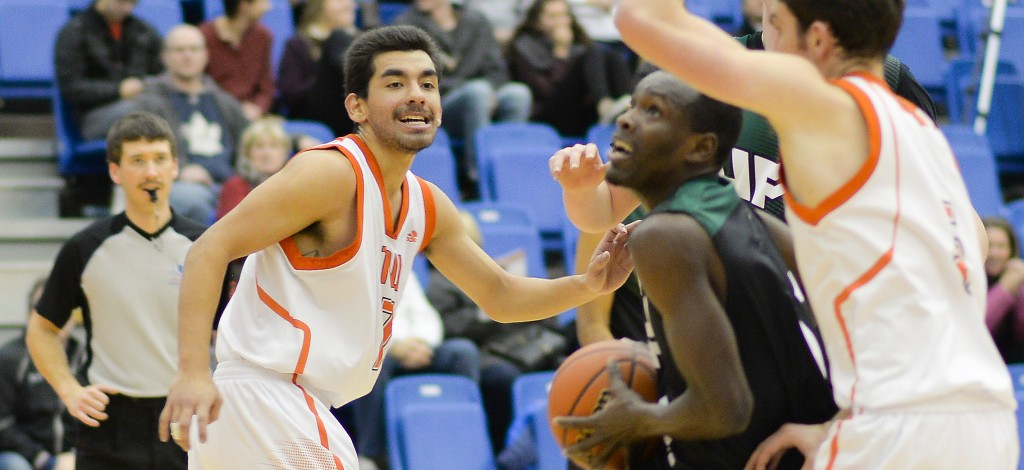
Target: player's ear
701, 147
819, 39
356, 108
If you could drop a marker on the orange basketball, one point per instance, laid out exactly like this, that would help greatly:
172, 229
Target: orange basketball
582, 380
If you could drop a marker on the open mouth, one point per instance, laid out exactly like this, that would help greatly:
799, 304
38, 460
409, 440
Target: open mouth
621, 147
414, 119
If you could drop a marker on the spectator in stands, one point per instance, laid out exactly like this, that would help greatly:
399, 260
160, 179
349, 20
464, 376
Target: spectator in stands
239, 48
35, 431
1004, 314
475, 84
752, 17
418, 346
503, 15
101, 57
298, 69
262, 151
207, 121
573, 80
124, 273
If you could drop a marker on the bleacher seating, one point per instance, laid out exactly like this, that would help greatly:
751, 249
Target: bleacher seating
1004, 129
529, 413
919, 45
978, 167
437, 165
514, 165
962, 78
27, 37
415, 391
314, 129
75, 156
162, 14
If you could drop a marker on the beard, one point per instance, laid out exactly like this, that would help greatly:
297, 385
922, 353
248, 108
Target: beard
388, 133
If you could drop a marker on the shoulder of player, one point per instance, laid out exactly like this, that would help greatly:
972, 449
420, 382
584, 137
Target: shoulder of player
317, 164
665, 238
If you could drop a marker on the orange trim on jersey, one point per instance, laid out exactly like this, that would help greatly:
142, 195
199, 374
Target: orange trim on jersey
391, 226
300, 365
429, 210
834, 445
291, 249
845, 294
813, 215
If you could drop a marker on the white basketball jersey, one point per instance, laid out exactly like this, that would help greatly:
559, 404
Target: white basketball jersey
328, 320
892, 266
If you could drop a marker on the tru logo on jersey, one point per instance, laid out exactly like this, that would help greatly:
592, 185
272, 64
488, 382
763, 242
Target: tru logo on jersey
391, 276
958, 247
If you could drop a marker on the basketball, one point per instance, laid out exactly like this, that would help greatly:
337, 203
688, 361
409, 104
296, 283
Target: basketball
582, 380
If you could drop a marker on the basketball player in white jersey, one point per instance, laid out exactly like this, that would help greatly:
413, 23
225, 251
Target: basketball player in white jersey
889, 248
333, 236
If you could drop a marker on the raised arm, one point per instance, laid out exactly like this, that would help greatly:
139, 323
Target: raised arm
510, 298
592, 204
302, 194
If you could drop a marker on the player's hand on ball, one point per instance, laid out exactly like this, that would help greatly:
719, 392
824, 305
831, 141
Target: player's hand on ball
611, 264
617, 425
189, 396
578, 167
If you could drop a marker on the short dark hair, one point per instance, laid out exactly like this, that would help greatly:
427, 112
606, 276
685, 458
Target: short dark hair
708, 115
359, 58
135, 127
231, 8
864, 28
1004, 225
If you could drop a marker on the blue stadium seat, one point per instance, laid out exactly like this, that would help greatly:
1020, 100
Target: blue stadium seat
530, 388
1004, 130
437, 165
963, 74
422, 389
445, 436
513, 245
313, 129
601, 135
514, 159
919, 45
388, 11
75, 156
421, 268
529, 412
508, 140
162, 14
27, 40
978, 168
496, 213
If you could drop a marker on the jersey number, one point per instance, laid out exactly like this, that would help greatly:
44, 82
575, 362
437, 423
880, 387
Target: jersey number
393, 267
388, 307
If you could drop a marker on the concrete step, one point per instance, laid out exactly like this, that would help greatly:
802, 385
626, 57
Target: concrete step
29, 197
22, 147
16, 278
39, 240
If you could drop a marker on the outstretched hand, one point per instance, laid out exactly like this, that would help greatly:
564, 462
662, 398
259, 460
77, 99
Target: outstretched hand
578, 167
615, 426
804, 437
611, 264
189, 396
89, 404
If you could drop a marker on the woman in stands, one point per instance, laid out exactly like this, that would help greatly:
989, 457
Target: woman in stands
1004, 314
573, 79
298, 68
262, 151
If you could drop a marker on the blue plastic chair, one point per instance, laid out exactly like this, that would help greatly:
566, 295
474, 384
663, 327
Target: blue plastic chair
27, 40
510, 141
421, 268
1004, 130
919, 45
963, 74
601, 135
978, 168
529, 412
162, 14
75, 156
444, 436
422, 389
314, 129
498, 213
512, 244
437, 165
389, 11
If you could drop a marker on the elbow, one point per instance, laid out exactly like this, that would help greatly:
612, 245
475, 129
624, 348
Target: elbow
733, 415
